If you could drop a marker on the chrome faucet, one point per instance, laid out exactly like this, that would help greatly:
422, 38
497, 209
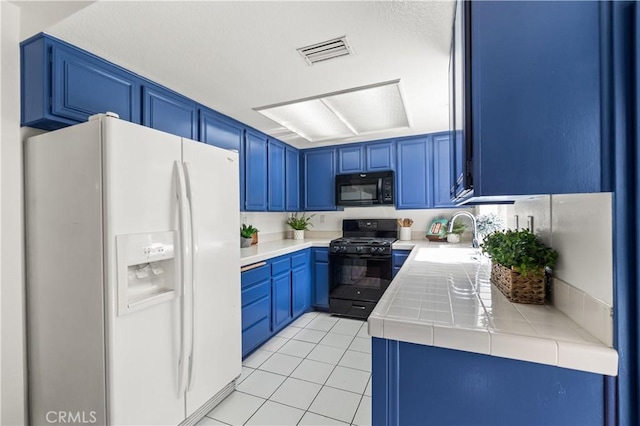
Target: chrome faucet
474, 243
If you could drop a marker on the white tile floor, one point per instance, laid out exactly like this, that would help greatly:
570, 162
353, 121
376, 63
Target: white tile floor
317, 371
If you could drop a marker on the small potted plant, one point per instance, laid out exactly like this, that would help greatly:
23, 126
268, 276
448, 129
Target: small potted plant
518, 264
246, 235
299, 224
454, 235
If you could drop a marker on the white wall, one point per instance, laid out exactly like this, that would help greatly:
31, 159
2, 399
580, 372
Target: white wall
329, 224
579, 227
12, 247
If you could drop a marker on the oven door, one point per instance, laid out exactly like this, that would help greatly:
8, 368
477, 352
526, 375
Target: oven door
359, 277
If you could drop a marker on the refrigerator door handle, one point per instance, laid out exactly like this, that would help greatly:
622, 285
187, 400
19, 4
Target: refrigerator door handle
181, 194
194, 252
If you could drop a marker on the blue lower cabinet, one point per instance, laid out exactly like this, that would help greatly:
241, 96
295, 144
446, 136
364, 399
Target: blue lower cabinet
281, 302
425, 385
399, 257
256, 308
300, 282
321, 278
167, 111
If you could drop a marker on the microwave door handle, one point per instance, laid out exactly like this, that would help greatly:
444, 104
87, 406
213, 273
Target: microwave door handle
380, 195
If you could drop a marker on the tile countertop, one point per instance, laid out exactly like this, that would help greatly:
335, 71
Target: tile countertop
443, 297
264, 251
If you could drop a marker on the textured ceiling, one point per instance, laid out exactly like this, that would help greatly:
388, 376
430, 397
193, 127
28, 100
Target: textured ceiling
235, 56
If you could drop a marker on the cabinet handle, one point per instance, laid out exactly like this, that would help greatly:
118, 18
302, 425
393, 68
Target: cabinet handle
253, 266
359, 307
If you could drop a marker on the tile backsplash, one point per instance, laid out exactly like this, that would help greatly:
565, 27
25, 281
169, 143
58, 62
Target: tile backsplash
328, 224
579, 227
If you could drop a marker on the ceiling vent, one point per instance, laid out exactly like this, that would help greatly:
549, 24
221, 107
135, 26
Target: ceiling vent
326, 50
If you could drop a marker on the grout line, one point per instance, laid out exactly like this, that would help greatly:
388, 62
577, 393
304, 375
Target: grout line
324, 384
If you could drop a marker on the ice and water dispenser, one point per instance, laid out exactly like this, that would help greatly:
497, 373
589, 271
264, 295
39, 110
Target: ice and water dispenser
147, 267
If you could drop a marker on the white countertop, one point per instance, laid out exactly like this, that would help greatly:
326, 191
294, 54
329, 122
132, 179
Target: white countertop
443, 297
264, 251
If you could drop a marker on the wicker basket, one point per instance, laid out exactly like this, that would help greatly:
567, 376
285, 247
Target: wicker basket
518, 288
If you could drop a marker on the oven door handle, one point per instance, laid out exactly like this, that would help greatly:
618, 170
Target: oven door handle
361, 256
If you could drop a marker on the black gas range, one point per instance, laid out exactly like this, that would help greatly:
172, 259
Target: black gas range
360, 266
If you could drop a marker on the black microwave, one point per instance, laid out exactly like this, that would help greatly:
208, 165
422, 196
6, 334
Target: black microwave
365, 189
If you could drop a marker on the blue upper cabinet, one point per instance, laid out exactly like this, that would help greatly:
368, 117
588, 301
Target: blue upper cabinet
414, 176
350, 159
379, 156
538, 102
63, 85
319, 179
220, 131
442, 170
255, 158
276, 180
292, 179
367, 157
167, 111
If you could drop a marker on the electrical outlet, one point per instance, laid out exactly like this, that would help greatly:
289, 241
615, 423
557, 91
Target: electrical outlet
321, 218
530, 223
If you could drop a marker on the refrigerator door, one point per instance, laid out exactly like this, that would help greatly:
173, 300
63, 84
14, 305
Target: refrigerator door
142, 246
212, 179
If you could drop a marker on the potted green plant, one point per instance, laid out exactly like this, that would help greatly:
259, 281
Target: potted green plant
246, 235
518, 264
299, 224
454, 235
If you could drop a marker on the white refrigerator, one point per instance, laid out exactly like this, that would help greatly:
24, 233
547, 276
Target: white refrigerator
133, 275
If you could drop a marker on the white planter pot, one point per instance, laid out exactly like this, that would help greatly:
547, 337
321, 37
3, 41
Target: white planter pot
453, 238
298, 234
405, 233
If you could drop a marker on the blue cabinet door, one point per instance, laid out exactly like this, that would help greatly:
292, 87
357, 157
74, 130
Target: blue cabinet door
83, 85
548, 55
281, 302
220, 131
255, 159
321, 277
301, 286
256, 308
413, 177
319, 179
399, 257
276, 179
301, 281
292, 178
350, 159
167, 111
379, 157
441, 171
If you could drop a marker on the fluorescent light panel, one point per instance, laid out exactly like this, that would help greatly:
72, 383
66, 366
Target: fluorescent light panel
343, 114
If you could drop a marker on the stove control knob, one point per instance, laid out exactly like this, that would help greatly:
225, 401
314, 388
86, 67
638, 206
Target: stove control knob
343, 249
359, 249
335, 249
